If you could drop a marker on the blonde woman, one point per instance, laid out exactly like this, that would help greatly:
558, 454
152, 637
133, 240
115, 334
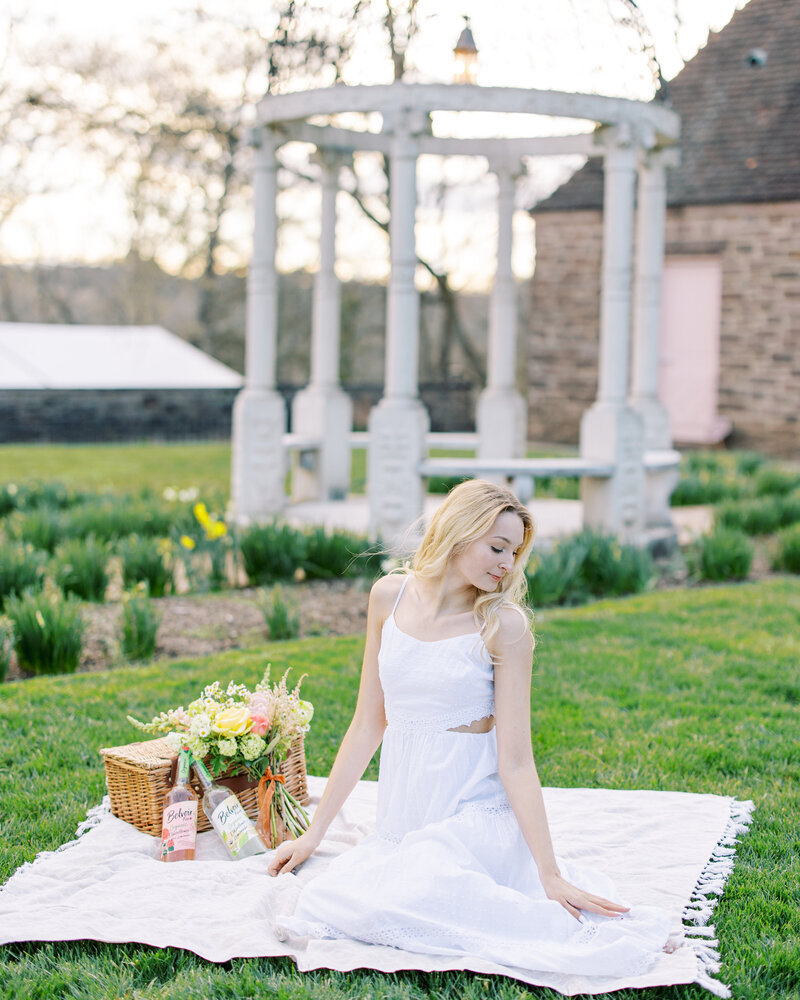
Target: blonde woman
461, 861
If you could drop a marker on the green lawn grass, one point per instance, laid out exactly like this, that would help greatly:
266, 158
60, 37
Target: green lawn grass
121, 467
127, 467
689, 690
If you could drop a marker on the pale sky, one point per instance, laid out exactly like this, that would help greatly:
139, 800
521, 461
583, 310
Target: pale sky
566, 45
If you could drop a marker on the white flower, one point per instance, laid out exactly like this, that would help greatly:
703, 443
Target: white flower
201, 725
198, 746
227, 747
175, 740
252, 746
169, 494
186, 496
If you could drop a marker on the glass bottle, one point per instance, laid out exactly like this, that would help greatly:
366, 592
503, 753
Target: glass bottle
179, 821
226, 814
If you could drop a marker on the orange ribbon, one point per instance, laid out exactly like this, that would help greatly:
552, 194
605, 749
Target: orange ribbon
266, 788
264, 792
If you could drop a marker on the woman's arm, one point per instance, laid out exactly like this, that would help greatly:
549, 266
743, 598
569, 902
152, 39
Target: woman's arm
362, 739
512, 650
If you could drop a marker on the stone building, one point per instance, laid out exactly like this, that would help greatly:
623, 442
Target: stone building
730, 314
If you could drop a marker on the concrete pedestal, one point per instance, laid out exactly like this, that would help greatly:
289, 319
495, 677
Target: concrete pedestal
397, 431
324, 413
614, 433
258, 460
502, 418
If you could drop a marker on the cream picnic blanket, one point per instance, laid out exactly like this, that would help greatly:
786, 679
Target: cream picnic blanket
668, 849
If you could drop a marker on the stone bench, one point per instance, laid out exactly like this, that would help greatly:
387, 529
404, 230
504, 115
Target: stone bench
521, 473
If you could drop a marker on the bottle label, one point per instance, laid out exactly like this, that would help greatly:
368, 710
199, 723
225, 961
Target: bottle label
179, 828
233, 824
184, 765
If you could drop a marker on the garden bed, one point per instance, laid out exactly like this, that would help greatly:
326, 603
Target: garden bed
196, 625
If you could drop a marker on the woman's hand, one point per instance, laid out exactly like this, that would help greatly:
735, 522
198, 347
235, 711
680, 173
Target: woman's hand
292, 853
574, 899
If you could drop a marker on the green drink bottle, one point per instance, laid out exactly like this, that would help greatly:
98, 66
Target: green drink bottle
235, 828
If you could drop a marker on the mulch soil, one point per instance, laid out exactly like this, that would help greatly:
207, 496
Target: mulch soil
197, 625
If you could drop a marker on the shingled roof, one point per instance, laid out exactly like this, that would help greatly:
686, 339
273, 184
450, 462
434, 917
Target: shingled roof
740, 119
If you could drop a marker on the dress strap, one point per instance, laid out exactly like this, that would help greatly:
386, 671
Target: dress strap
400, 594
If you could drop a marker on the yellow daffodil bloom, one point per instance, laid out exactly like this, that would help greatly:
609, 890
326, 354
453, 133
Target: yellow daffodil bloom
187, 542
201, 513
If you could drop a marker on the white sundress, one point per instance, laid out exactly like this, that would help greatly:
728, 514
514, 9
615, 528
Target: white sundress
447, 871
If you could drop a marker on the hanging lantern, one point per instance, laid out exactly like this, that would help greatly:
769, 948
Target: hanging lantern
465, 56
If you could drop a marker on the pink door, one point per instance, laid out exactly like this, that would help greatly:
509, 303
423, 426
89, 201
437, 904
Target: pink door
691, 297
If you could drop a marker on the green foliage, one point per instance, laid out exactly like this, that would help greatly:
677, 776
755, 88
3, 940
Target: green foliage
280, 615
112, 517
703, 488
443, 484
560, 487
271, 552
81, 568
701, 461
275, 551
725, 554
748, 462
21, 569
787, 550
9, 498
760, 516
554, 578
48, 632
42, 527
586, 565
6, 645
332, 554
689, 691
140, 622
144, 561
772, 480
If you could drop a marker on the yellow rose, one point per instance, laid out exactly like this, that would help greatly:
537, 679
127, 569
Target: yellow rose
232, 722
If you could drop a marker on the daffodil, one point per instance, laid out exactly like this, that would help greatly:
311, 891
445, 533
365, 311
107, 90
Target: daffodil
201, 513
187, 542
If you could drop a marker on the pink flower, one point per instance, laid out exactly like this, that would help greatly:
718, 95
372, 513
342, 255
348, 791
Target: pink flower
260, 724
259, 703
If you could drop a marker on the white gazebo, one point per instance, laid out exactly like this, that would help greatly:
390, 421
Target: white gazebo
627, 465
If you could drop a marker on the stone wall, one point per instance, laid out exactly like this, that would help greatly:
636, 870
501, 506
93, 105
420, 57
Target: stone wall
759, 389
97, 415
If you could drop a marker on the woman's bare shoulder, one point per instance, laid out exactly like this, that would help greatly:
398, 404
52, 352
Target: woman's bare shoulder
514, 627
384, 593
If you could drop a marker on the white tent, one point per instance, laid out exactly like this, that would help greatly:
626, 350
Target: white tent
63, 356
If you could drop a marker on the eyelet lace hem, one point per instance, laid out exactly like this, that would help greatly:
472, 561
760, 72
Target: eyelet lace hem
443, 722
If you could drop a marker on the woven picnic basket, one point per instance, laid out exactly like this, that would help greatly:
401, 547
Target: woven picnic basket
139, 775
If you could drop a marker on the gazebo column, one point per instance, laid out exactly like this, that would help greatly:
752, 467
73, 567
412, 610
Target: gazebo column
259, 413
322, 411
399, 423
611, 431
502, 412
648, 271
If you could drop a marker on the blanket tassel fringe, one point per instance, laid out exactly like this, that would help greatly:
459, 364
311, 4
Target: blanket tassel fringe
93, 818
699, 933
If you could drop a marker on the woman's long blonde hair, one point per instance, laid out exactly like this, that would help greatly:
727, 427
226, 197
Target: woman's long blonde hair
470, 510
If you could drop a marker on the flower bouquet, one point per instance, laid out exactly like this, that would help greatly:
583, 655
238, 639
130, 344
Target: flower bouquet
241, 730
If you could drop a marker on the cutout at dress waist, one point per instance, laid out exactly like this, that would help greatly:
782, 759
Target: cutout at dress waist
484, 725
